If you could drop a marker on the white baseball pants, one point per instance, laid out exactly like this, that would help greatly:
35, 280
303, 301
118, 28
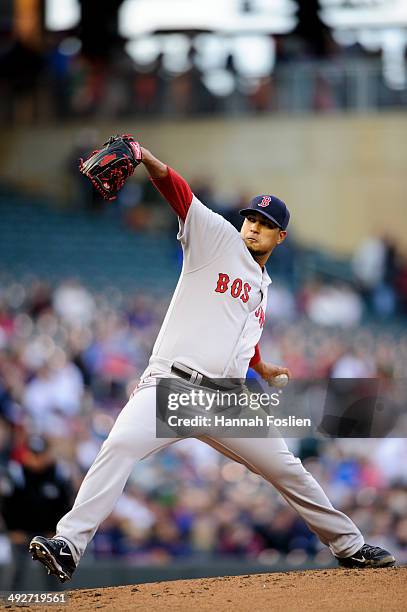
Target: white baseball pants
132, 439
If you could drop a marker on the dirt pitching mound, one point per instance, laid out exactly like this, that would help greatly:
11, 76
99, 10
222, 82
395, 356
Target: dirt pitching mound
370, 590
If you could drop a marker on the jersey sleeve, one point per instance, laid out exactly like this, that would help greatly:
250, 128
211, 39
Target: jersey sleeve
176, 191
203, 234
256, 357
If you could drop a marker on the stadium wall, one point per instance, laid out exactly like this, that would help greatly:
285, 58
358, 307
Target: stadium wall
344, 177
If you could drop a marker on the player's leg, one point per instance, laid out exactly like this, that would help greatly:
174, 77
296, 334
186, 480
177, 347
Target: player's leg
271, 458
131, 439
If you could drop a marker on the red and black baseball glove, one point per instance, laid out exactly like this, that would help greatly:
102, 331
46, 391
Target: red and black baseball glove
109, 167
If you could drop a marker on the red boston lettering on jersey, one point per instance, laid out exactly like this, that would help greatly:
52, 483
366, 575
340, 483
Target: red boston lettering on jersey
223, 283
245, 295
260, 315
236, 287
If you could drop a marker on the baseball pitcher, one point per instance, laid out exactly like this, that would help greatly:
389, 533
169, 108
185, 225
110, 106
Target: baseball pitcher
211, 330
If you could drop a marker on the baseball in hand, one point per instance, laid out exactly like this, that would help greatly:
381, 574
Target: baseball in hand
279, 381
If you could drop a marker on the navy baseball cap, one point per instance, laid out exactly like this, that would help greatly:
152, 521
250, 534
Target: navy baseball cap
271, 207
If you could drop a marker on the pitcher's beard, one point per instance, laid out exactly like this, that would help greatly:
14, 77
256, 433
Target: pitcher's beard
254, 253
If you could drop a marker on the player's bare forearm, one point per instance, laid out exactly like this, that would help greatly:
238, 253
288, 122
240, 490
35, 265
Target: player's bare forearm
268, 371
156, 168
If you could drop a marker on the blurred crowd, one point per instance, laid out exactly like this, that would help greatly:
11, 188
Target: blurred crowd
373, 282
69, 358
59, 81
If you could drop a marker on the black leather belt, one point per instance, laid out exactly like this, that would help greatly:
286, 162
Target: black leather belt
196, 378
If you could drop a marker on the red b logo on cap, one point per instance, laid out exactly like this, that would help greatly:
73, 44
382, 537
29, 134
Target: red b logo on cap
265, 201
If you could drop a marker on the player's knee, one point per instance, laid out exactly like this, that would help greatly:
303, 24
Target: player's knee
285, 465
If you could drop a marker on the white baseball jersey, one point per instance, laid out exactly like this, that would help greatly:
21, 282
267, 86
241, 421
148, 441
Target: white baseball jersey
216, 315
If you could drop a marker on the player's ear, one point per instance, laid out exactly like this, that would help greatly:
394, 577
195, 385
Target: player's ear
282, 236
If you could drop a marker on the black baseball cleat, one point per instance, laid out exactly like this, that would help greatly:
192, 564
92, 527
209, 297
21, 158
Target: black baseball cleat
368, 556
55, 555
